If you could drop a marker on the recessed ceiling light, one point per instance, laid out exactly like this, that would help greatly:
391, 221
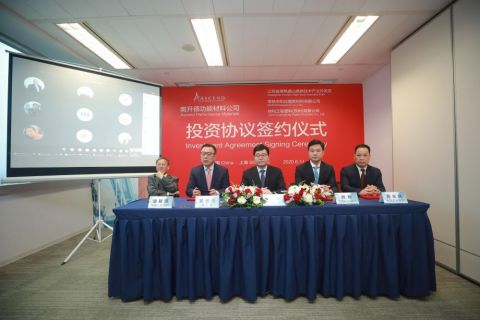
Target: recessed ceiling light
208, 38
356, 28
93, 43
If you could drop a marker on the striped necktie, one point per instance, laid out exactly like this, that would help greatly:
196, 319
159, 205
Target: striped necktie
262, 178
316, 173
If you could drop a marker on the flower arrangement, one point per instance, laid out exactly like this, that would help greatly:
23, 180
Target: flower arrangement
243, 196
303, 194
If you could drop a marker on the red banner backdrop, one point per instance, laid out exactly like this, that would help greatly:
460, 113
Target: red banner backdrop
283, 117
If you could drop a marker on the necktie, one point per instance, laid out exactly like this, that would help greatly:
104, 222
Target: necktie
316, 174
262, 178
363, 182
209, 178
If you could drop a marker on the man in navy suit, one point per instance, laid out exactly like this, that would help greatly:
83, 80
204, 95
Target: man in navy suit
361, 177
263, 175
315, 170
208, 178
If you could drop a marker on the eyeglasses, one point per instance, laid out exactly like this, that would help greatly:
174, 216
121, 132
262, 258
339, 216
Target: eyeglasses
207, 154
261, 155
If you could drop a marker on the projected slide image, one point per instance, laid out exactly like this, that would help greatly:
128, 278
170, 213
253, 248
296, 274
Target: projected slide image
84, 114
125, 99
125, 119
124, 138
84, 136
33, 132
80, 119
85, 92
32, 107
33, 82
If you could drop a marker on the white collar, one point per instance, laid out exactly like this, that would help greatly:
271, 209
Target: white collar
314, 165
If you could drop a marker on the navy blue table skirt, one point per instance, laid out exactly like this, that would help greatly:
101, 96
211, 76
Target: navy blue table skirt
372, 249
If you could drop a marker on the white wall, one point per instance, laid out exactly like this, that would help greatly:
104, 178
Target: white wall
466, 45
37, 215
377, 112
435, 96
423, 127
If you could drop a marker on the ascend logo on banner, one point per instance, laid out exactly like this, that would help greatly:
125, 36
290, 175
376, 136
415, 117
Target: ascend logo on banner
200, 98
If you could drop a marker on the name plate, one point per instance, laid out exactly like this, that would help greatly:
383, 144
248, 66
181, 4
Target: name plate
393, 197
160, 202
346, 198
274, 200
207, 202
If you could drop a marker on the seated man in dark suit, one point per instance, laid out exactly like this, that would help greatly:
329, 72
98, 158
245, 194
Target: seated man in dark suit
361, 177
208, 178
161, 183
315, 170
269, 178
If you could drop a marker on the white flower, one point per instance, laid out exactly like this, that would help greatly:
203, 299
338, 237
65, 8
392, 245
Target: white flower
292, 190
308, 198
257, 200
241, 200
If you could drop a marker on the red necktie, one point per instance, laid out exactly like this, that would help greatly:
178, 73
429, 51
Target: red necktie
209, 178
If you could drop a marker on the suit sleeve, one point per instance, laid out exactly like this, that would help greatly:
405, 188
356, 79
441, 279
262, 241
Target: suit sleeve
379, 182
280, 182
170, 184
245, 178
298, 175
345, 182
151, 187
332, 181
191, 184
225, 183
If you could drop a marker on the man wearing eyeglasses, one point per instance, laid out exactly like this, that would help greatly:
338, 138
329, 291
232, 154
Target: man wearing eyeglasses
208, 178
269, 178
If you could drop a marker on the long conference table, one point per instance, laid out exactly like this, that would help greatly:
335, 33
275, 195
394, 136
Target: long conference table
371, 249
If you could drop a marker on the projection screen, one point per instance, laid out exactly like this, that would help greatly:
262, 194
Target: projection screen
69, 122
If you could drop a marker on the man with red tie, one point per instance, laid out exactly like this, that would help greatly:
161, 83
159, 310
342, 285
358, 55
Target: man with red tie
208, 178
360, 177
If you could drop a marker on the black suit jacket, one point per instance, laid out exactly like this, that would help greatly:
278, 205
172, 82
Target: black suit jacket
273, 179
304, 172
220, 179
350, 178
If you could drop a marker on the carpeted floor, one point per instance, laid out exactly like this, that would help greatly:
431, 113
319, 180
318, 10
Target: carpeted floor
38, 287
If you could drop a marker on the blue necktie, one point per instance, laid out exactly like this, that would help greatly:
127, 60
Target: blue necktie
262, 178
316, 173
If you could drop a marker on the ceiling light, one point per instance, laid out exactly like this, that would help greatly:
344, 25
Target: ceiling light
85, 37
356, 28
207, 36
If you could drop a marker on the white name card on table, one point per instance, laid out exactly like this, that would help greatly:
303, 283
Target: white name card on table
346, 198
207, 202
393, 197
274, 200
160, 202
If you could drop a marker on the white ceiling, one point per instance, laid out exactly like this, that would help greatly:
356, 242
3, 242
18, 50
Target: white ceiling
266, 40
